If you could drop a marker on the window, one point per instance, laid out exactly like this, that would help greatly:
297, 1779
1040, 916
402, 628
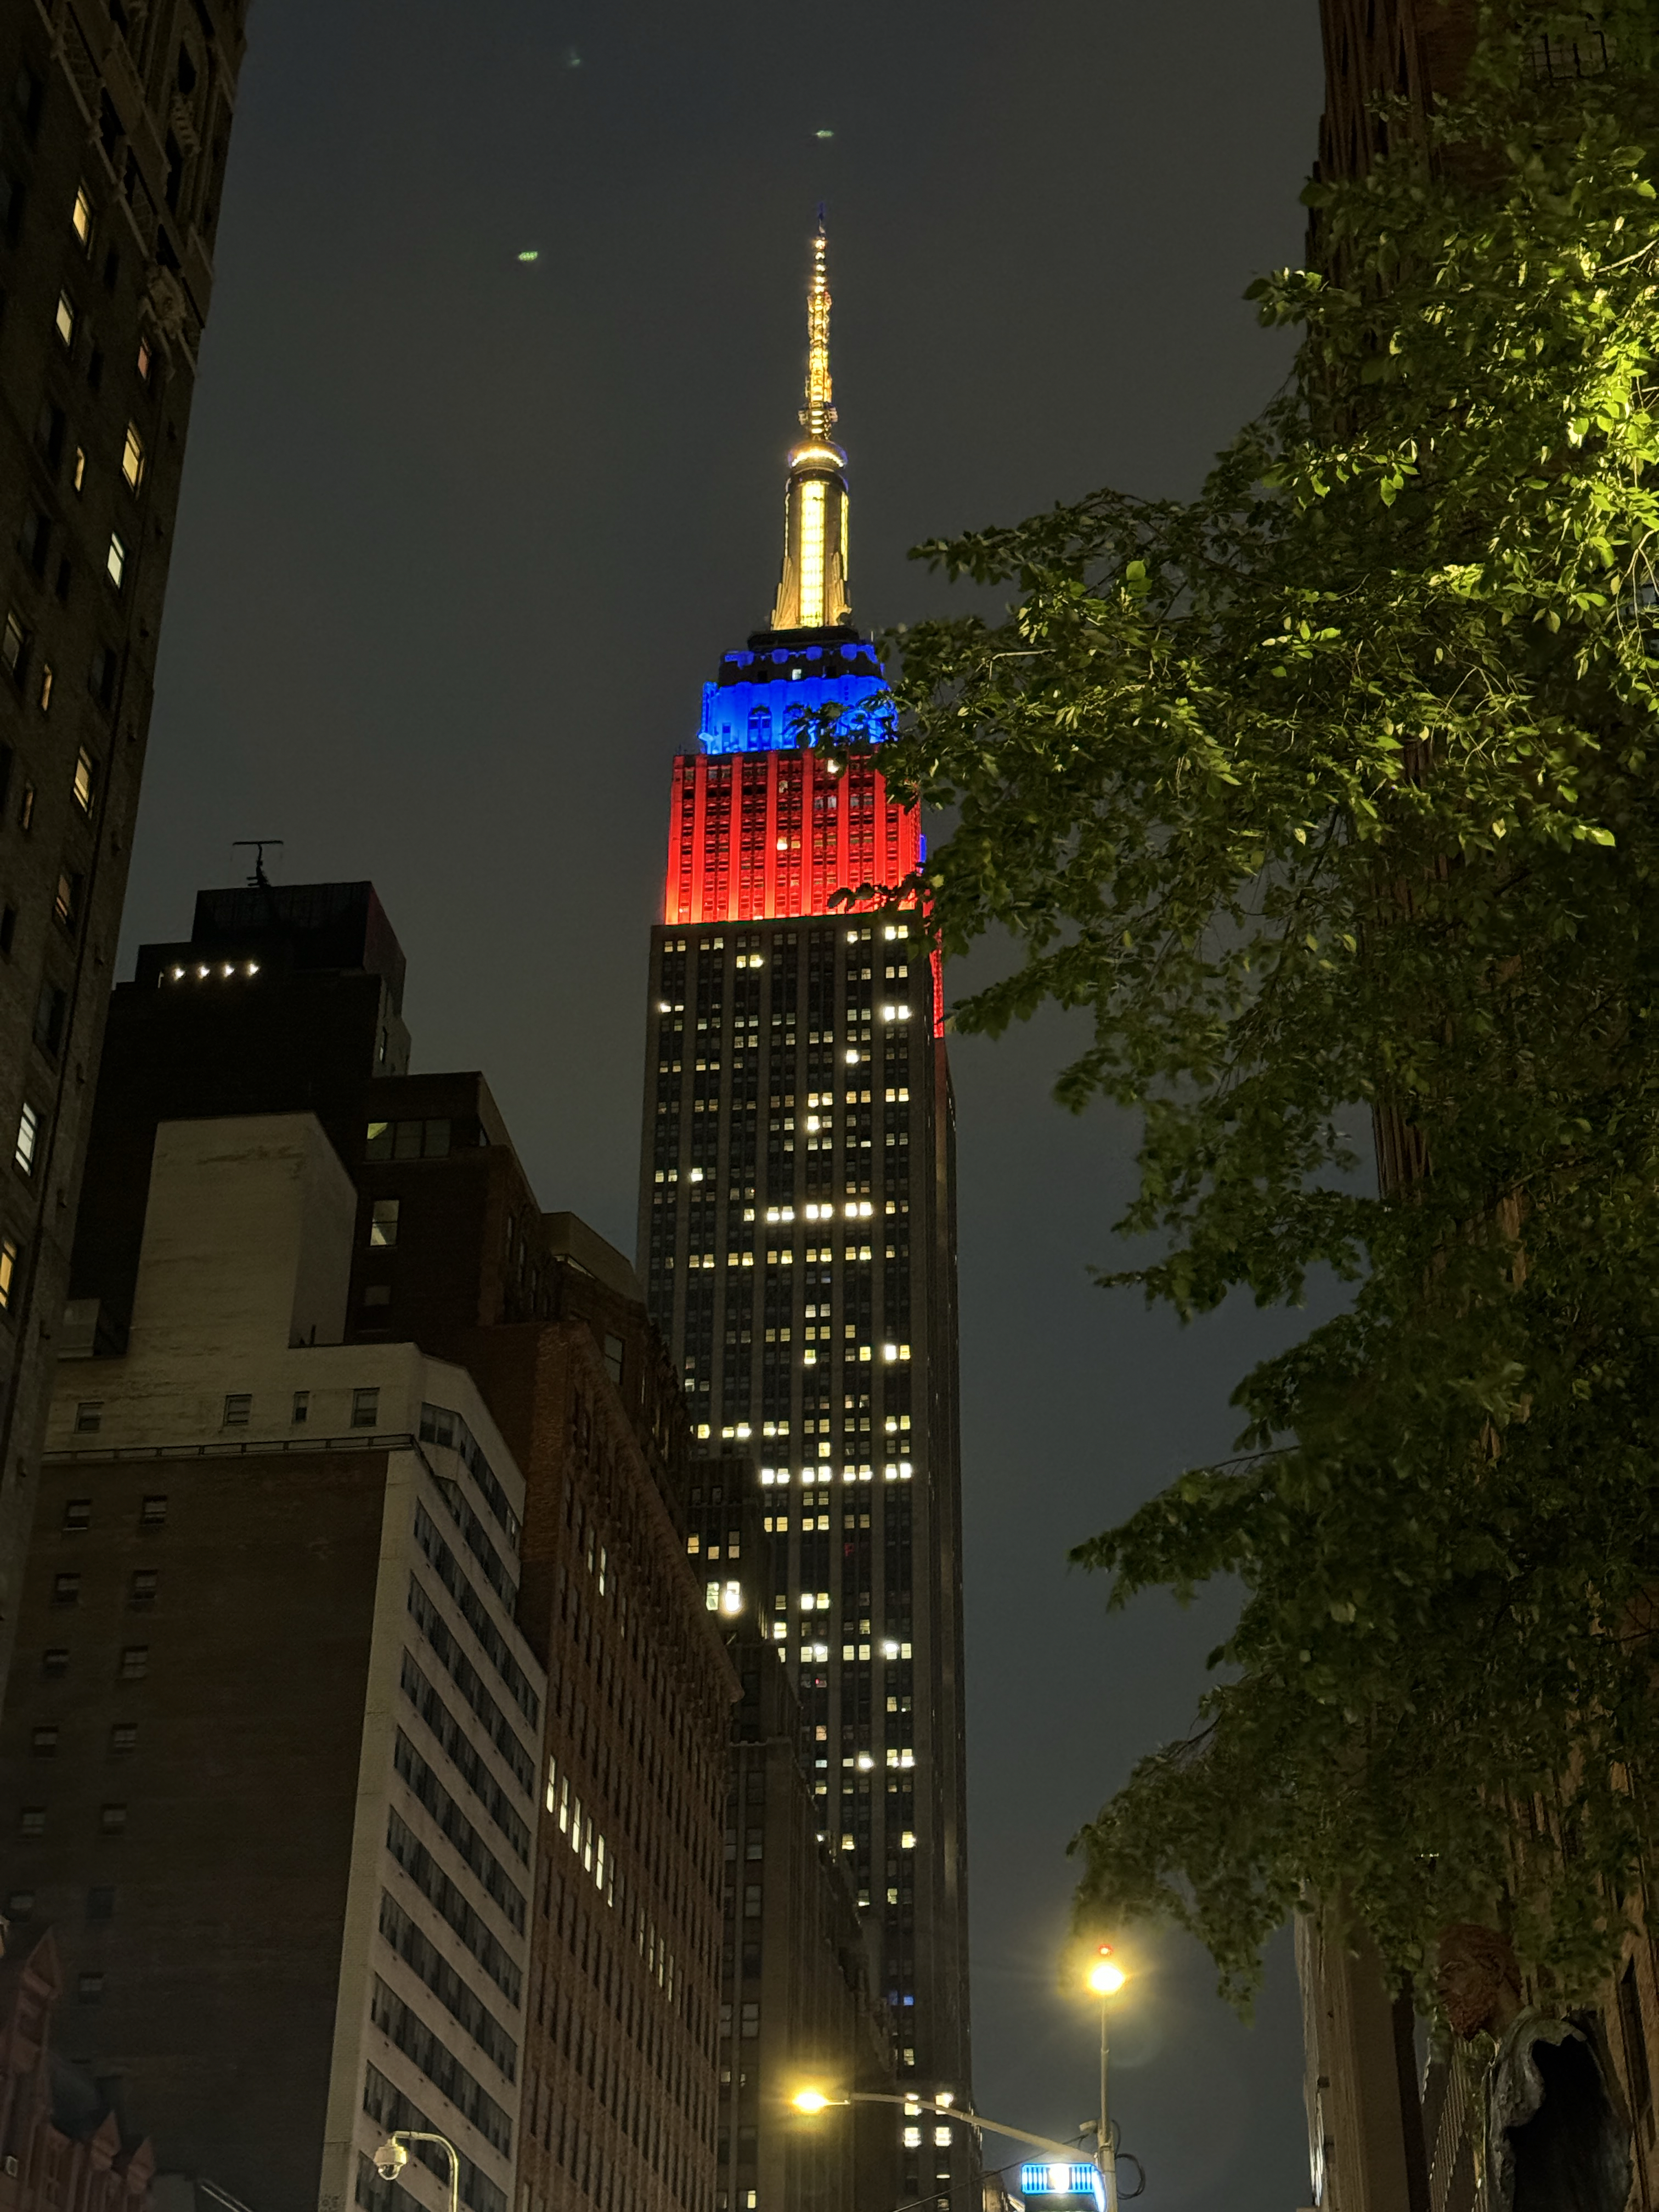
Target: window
82, 217
43, 1742
102, 674
65, 318
77, 1515
124, 1738
301, 1412
20, 1904
50, 1014
43, 698
141, 362
86, 780
365, 1409
66, 1589
32, 1821
378, 1294
112, 1819
7, 928
100, 1904
28, 1138
407, 1140
135, 1663
13, 646
141, 1590
66, 901
80, 476
132, 458
8, 1271
613, 1357
115, 561
152, 1513
54, 1662
89, 1417
239, 1406
383, 1223
26, 809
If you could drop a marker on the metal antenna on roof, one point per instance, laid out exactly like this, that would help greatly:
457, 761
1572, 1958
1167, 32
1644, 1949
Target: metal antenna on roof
258, 881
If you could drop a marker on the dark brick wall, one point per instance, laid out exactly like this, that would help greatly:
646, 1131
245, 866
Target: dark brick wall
219, 1933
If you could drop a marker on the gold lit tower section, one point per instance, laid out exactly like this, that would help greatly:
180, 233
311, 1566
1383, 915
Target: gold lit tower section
812, 588
797, 1234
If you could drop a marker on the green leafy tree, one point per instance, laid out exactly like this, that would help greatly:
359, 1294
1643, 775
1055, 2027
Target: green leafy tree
1337, 788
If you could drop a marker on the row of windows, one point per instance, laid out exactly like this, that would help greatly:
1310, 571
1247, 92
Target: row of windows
238, 1414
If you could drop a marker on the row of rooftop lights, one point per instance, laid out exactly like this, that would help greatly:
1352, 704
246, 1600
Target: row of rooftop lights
200, 970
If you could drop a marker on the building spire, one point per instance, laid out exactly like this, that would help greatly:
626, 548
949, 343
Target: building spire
812, 587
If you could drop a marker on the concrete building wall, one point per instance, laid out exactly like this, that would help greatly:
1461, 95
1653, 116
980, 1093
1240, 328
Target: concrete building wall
272, 1764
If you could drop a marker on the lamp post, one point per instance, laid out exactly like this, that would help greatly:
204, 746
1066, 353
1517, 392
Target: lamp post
814, 2101
1106, 1978
392, 2157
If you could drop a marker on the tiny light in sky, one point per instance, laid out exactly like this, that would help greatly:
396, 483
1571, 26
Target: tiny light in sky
572, 58
825, 134
530, 254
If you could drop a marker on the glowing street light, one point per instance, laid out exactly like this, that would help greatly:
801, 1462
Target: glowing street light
1105, 1977
942, 2105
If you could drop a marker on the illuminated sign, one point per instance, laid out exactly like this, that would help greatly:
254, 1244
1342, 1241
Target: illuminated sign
1062, 2180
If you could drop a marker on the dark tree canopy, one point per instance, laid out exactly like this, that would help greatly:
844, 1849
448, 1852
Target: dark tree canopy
1337, 788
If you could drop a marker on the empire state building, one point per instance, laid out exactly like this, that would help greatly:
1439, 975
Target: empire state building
796, 1233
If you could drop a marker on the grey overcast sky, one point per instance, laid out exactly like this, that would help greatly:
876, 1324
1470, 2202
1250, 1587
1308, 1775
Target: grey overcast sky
462, 536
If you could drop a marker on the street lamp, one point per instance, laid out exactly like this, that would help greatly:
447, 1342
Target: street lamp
944, 2107
392, 2157
1106, 1978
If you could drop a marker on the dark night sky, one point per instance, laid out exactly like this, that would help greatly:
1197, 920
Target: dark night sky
462, 537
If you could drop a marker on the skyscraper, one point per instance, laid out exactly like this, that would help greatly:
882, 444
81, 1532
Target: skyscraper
797, 1236
114, 123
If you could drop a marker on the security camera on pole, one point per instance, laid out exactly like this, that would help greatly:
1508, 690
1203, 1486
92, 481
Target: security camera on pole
392, 2157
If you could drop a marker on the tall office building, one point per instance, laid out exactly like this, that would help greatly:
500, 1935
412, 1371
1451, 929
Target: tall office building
796, 1238
114, 123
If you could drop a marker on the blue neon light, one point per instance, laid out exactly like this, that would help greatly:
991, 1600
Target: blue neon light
1059, 2179
757, 705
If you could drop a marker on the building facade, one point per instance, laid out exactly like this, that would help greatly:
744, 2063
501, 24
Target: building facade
797, 1238
113, 146
793, 1956
285, 1003
271, 1764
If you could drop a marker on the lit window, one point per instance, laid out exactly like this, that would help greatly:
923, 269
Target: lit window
66, 901
115, 561
65, 318
912, 2138
8, 1271
44, 699
28, 1139
142, 364
365, 1409
12, 645
239, 1408
941, 2137
132, 458
80, 467
82, 217
86, 780
383, 1223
